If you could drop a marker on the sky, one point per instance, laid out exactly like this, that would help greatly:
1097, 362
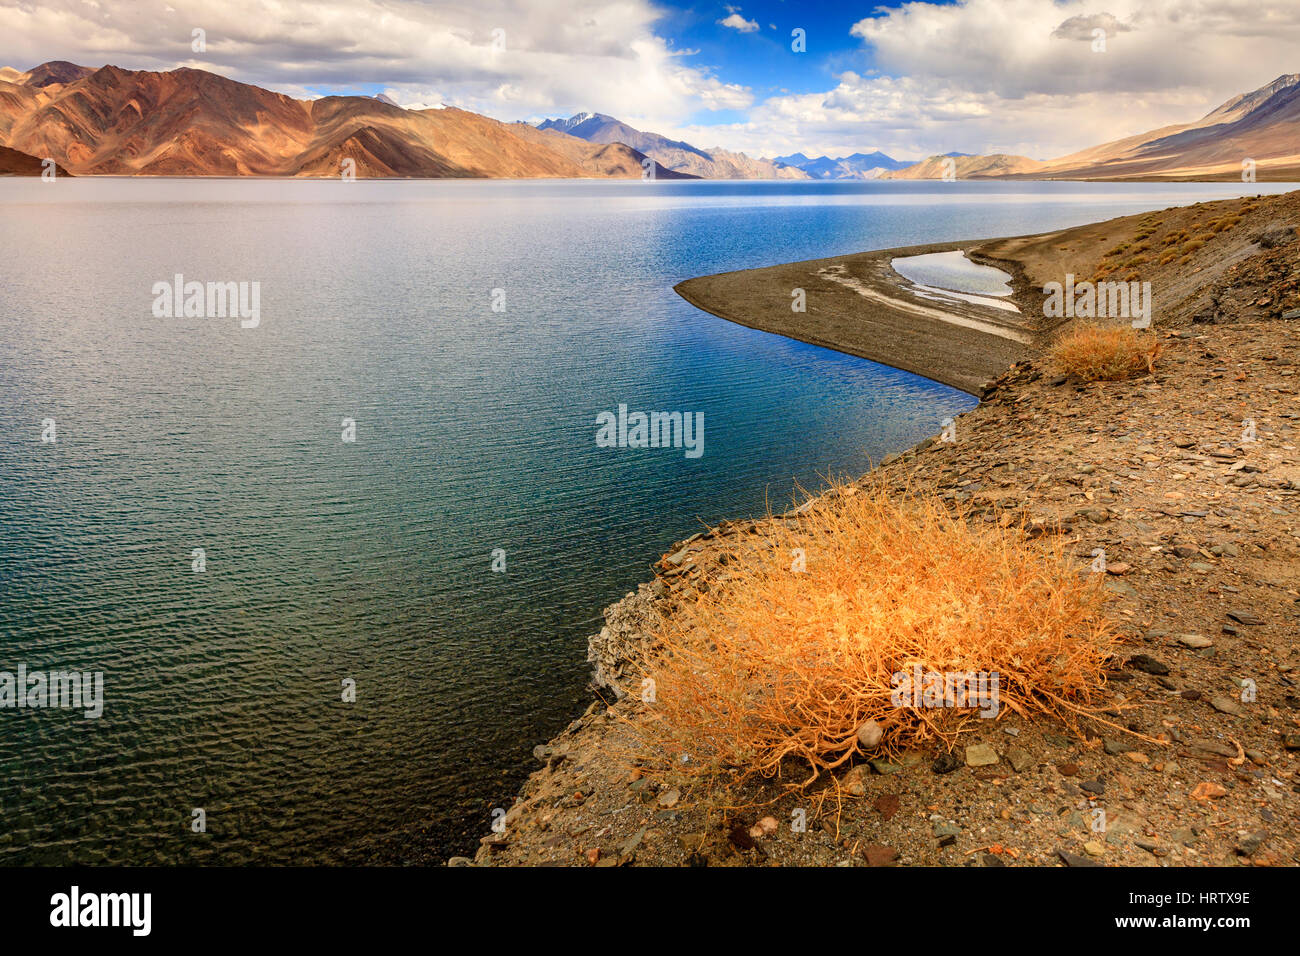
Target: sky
1028, 77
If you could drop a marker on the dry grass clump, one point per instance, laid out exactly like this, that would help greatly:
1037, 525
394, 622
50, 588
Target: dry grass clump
779, 666
1100, 352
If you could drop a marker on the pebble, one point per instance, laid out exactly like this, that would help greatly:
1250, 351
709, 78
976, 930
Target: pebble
946, 763
1148, 665
981, 755
1194, 640
1021, 760
1208, 790
854, 782
870, 734
669, 798
1226, 705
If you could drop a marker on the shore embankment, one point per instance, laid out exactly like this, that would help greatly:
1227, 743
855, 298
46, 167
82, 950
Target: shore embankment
1188, 479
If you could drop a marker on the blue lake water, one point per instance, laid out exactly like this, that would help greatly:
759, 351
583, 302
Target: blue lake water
372, 560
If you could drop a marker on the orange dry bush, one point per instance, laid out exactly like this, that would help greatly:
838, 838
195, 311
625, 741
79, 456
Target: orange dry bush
776, 668
1098, 352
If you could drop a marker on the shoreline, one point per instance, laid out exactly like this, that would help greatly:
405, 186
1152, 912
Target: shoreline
858, 305
1199, 526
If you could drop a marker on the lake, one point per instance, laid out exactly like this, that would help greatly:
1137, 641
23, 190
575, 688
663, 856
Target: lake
389, 486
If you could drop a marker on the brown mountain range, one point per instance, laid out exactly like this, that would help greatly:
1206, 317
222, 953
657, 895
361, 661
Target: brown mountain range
1262, 126
189, 122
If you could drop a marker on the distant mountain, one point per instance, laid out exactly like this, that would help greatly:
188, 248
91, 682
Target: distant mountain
189, 122
1262, 126
675, 155
857, 166
966, 166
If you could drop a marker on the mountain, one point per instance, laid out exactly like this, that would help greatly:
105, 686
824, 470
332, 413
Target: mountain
965, 166
14, 163
1263, 126
857, 166
188, 122
674, 154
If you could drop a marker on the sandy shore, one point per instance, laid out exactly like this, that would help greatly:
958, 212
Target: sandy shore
1200, 521
857, 304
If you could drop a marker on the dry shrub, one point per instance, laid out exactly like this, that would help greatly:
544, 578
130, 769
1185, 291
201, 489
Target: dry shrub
776, 669
1100, 352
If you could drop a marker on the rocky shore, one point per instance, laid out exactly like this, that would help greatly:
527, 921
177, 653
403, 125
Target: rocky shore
1187, 479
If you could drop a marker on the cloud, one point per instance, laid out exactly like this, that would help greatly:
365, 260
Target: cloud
511, 59
1011, 76
1082, 27
971, 75
736, 22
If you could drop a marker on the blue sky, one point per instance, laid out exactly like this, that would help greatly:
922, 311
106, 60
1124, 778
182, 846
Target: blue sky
909, 77
762, 59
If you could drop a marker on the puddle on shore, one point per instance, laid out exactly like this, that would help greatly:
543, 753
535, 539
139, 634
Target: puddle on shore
950, 275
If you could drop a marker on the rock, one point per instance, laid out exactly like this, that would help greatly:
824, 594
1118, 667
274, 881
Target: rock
981, 755
628, 846
946, 830
1115, 747
1136, 756
669, 798
593, 855
870, 734
1093, 786
767, 826
880, 855
887, 805
884, 767
854, 783
1211, 746
1226, 705
1148, 665
1208, 790
1257, 757
1069, 859
1245, 617
1184, 836
1250, 844
1291, 741
1068, 769
460, 861
1093, 848
1021, 760
946, 763
1275, 235
1194, 640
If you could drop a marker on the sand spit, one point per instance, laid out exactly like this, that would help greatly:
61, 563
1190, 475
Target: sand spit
859, 305
1188, 479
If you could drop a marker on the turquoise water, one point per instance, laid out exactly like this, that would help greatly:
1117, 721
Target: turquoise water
372, 560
